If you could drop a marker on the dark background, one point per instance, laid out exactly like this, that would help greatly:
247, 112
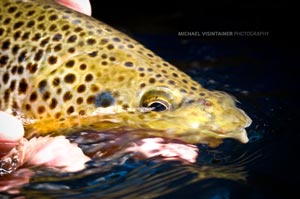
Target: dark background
162, 20
277, 17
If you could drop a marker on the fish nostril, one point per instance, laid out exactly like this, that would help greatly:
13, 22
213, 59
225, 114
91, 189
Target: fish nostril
207, 103
204, 102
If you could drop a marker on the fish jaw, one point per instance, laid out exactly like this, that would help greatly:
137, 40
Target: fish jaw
198, 130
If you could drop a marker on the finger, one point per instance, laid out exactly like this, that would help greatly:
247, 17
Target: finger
82, 6
11, 131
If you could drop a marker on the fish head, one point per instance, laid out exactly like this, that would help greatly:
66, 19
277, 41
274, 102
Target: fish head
207, 118
154, 95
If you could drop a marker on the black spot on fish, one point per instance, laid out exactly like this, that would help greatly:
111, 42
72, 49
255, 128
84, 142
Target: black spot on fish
70, 63
6, 96
32, 68
23, 86
7, 21
5, 77
56, 81
72, 39
57, 47
53, 103
78, 29
82, 67
70, 110
52, 60
151, 80
17, 35
79, 100
12, 85
15, 49
44, 42
46, 96
3, 60
25, 36
30, 24
65, 27
30, 13
77, 21
28, 107
103, 41
193, 88
91, 41
116, 39
67, 96
81, 88
110, 47
89, 77
22, 56
42, 86
57, 37
12, 9
70, 78
90, 99
104, 99
53, 27
5, 45
20, 70
93, 54
19, 24
71, 50
171, 82
14, 70
41, 109
128, 64
1, 31
38, 55
53, 17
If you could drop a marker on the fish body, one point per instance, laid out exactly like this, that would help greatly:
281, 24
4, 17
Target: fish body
61, 69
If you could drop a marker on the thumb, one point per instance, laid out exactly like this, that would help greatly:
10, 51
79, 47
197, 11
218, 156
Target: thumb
11, 131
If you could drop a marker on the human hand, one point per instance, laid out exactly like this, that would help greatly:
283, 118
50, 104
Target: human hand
11, 132
48, 151
11, 129
82, 6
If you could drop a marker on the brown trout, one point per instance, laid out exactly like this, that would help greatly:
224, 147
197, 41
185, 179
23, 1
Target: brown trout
62, 70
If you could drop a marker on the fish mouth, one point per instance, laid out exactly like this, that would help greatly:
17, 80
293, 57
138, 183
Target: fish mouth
238, 134
211, 132
247, 118
206, 135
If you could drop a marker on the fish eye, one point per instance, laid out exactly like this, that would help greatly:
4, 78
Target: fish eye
158, 105
157, 100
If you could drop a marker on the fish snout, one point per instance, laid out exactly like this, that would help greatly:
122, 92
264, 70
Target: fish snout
209, 118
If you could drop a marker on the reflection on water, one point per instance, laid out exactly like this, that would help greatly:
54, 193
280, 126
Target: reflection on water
120, 175
217, 172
